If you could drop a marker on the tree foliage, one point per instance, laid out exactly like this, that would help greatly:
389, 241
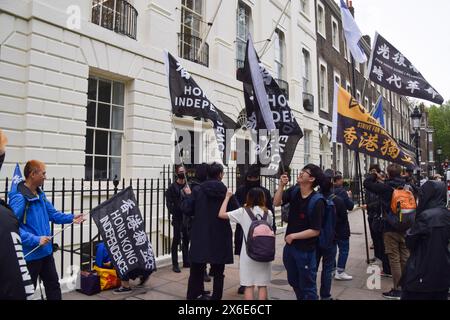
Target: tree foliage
440, 121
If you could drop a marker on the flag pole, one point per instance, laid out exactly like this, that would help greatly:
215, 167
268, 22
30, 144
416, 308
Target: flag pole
358, 174
60, 231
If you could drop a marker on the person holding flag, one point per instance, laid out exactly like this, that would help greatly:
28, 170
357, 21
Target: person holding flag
34, 212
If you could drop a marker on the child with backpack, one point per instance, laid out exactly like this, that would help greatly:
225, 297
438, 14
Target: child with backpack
259, 249
306, 212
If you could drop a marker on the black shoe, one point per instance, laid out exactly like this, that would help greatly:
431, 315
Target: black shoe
241, 290
392, 295
206, 292
122, 290
206, 278
203, 297
176, 269
142, 281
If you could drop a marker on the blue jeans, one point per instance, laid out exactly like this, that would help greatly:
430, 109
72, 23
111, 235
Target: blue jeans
344, 248
301, 272
328, 257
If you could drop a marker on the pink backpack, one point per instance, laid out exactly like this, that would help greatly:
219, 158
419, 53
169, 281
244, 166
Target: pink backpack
260, 242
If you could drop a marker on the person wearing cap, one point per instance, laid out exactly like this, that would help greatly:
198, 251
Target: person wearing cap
180, 234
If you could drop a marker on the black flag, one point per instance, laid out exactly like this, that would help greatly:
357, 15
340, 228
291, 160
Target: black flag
390, 69
264, 99
188, 99
120, 223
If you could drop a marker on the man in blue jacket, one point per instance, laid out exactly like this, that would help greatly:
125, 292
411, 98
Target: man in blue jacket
34, 211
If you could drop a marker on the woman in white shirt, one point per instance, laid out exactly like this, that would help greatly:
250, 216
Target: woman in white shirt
252, 273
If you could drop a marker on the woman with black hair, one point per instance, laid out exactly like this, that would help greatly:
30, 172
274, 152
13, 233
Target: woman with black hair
252, 273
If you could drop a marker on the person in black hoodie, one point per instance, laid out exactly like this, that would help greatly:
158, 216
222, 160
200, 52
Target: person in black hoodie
427, 271
342, 228
211, 240
328, 256
201, 174
180, 235
15, 280
394, 240
252, 180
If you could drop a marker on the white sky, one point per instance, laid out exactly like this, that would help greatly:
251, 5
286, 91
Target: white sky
417, 28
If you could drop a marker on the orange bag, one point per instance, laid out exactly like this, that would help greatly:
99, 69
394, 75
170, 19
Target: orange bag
108, 278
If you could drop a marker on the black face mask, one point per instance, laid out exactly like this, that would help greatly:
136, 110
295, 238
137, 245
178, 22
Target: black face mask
180, 175
252, 184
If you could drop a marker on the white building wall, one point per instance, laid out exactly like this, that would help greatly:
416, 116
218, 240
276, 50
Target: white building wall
44, 67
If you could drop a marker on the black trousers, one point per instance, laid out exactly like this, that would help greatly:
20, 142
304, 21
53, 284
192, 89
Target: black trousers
45, 268
378, 246
180, 235
195, 282
409, 295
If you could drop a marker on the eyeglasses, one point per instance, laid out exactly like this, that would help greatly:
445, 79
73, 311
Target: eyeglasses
304, 171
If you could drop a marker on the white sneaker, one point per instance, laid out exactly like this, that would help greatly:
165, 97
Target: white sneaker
342, 276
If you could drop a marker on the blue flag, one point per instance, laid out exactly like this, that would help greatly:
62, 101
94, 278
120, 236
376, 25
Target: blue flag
352, 34
378, 113
16, 179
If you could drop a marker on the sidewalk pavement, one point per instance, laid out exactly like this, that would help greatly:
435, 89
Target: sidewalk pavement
164, 284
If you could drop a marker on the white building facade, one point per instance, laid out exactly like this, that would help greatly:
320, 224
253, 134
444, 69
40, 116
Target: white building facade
83, 85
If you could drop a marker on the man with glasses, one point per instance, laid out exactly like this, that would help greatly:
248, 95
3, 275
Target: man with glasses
34, 212
299, 255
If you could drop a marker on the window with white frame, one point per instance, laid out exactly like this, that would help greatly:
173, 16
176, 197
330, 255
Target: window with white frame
279, 54
323, 88
105, 114
346, 51
191, 17
321, 19
430, 137
348, 87
307, 71
307, 147
358, 96
366, 103
335, 33
304, 7
337, 78
243, 17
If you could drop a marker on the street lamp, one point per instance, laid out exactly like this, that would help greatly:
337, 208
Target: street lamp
416, 116
439, 153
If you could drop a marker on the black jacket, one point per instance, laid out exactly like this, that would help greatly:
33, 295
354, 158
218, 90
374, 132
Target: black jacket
211, 237
428, 267
173, 199
341, 193
342, 224
15, 281
384, 191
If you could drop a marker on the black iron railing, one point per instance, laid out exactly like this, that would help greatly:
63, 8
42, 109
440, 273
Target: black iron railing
193, 48
77, 244
116, 15
284, 86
